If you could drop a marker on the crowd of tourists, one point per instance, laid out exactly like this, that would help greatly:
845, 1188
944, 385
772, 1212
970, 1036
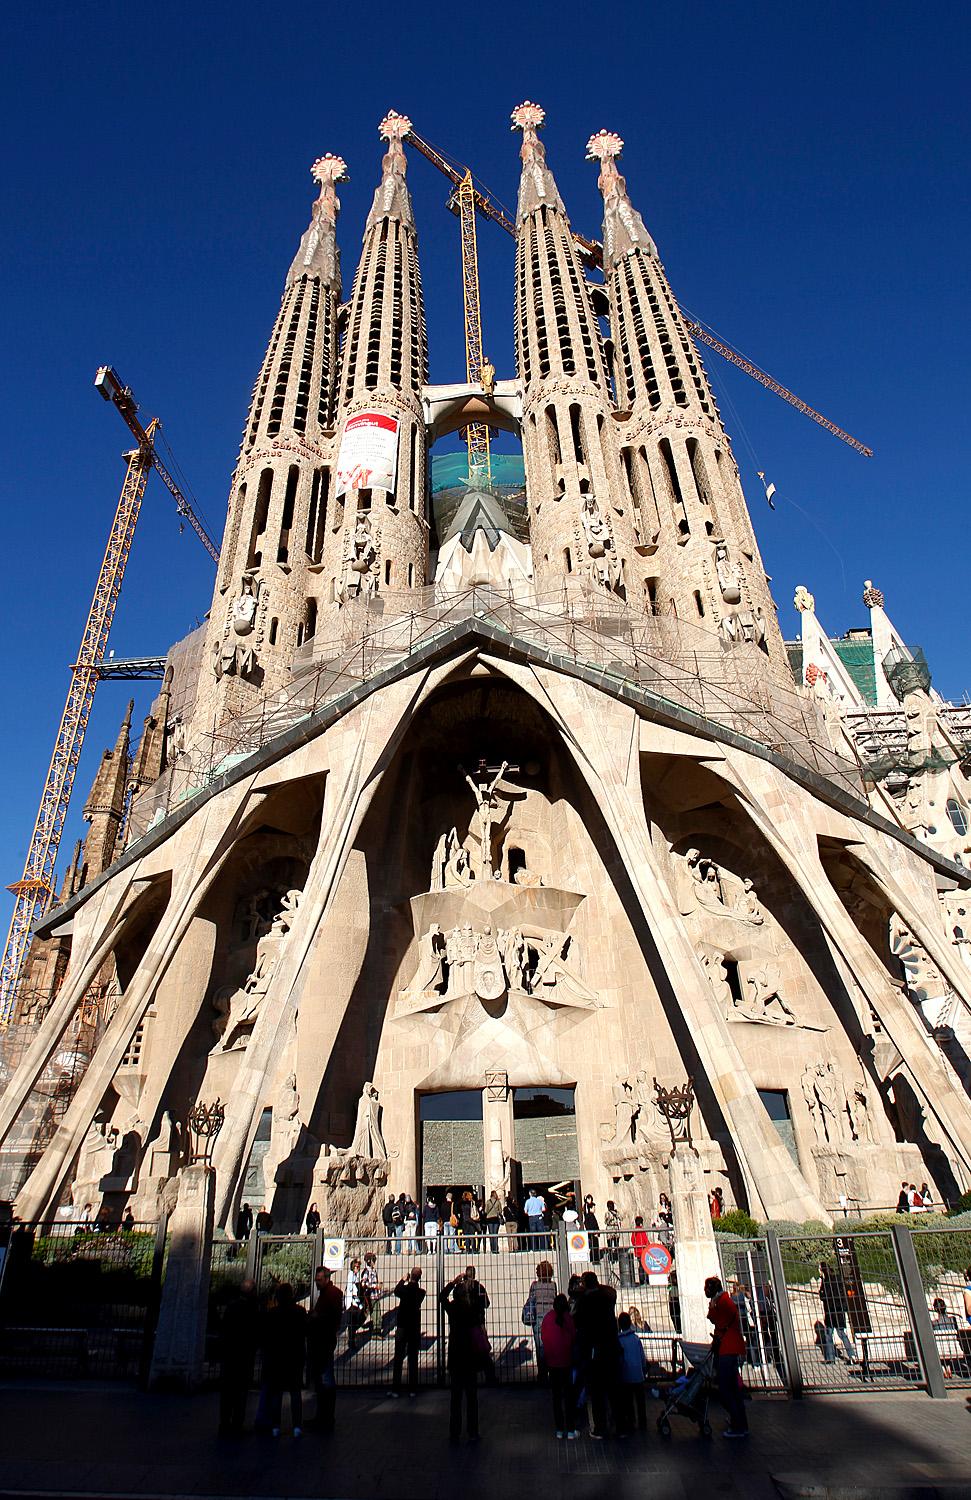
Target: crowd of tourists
589, 1354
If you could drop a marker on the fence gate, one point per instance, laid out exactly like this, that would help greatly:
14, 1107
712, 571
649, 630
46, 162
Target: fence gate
78, 1303
943, 1260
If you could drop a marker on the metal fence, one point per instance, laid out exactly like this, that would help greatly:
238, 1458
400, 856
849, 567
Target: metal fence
75, 1302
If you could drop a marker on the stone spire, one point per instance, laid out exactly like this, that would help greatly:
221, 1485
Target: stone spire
694, 532
148, 762
318, 255
105, 805
624, 229
392, 199
536, 185
579, 528
264, 603
379, 535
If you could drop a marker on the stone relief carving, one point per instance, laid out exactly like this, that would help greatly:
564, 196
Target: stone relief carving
235, 654
925, 984
840, 1112
765, 1002
466, 961
728, 574
485, 818
604, 564
236, 1011
362, 559
351, 1179
710, 886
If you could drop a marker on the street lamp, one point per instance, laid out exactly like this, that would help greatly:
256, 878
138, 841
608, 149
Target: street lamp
204, 1122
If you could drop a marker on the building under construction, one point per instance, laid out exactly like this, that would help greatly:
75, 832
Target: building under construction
490, 793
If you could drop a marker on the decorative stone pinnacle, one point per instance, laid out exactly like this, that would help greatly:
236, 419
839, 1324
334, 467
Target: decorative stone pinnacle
329, 169
528, 117
604, 146
803, 600
872, 598
394, 127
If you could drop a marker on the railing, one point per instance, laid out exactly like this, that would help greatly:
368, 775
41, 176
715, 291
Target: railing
683, 664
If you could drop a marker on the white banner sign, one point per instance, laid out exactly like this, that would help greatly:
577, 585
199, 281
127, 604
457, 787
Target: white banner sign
333, 1254
368, 458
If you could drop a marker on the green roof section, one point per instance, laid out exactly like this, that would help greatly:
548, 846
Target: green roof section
857, 658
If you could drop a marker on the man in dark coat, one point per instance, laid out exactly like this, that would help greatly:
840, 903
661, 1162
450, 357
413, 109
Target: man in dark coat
598, 1347
239, 1334
407, 1334
323, 1327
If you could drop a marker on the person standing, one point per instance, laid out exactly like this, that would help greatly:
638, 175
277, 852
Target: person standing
633, 1367
716, 1204
323, 1327
598, 1350
284, 1343
410, 1225
639, 1242
510, 1223
493, 1217
542, 1293
398, 1221
264, 1221
431, 1223
370, 1287
239, 1337
450, 1224
729, 1349
387, 1219
469, 1223
903, 1199
353, 1304
612, 1226
592, 1227
558, 1335
569, 1215
832, 1294
313, 1219
463, 1357
926, 1198
244, 1222
536, 1218
128, 1221
967, 1294
407, 1335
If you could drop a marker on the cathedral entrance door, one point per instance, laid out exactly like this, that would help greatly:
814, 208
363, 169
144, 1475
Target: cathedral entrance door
451, 1140
545, 1126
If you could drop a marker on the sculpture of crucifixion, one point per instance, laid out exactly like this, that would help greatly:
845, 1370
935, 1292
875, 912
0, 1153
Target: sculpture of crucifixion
484, 791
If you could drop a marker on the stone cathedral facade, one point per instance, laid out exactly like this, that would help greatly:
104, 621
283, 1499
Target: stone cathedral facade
456, 827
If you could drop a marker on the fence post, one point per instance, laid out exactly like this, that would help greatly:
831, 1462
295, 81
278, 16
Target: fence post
562, 1257
787, 1331
151, 1320
440, 1319
920, 1318
252, 1246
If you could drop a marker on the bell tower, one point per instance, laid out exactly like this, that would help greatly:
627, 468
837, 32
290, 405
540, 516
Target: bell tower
266, 599
702, 561
378, 537
581, 525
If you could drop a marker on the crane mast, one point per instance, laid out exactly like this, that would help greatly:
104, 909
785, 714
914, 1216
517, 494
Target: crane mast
34, 891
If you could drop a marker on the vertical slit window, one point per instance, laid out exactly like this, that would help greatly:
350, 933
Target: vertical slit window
254, 556
310, 622
678, 507
286, 360
286, 522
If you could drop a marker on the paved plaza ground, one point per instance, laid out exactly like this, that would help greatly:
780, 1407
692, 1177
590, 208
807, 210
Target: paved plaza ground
114, 1442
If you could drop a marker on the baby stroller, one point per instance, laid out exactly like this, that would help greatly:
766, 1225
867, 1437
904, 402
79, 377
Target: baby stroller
688, 1396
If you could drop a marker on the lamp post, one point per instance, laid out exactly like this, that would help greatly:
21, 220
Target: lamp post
204, 1122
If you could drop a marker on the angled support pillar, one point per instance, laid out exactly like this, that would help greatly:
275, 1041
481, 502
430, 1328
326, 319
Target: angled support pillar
920, 1318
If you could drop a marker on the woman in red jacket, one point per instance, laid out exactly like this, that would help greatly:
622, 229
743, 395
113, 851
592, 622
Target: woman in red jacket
729, 1347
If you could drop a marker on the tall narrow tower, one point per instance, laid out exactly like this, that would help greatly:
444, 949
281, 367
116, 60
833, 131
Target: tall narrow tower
702, 559
378, 538
267, 591
580, 518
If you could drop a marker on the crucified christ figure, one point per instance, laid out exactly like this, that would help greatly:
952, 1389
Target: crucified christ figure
484, 817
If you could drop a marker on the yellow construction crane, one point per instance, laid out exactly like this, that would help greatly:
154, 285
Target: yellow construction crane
468, 198
34, 891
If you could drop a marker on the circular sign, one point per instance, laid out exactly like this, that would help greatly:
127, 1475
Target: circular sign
656, 1259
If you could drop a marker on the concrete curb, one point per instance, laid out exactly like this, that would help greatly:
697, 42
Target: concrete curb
805, 1487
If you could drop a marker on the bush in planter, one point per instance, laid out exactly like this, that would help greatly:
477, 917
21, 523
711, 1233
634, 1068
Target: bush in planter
739, 1223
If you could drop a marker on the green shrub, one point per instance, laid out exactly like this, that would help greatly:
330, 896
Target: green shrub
962, 1206
738, 1222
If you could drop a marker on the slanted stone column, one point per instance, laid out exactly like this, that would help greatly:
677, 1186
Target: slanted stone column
180, 1339
696, 1254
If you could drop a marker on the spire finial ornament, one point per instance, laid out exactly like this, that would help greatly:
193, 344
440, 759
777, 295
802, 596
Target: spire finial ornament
803, 600
624, 229
872, 598
328, 170
318, 254
536, 186
392, 199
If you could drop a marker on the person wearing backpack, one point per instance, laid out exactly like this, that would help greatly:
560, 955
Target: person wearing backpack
542, 1294
558, 1336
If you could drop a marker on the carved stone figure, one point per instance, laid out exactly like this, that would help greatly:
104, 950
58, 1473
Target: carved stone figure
804, 601
360, 577
485, 809
729, 575
604, 566
368, 1142
242, 611
430, 976
747, 904
766, 1003
489, 975
515, 957
821, 1091
239, 1017
858, 1112
625, 1109
714, 965
458, 866
926, 986
234, 655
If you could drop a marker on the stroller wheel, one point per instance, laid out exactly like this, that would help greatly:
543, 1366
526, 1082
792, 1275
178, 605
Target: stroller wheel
706, 1429
664, 1427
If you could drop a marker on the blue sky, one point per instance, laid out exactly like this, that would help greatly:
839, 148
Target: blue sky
802, 168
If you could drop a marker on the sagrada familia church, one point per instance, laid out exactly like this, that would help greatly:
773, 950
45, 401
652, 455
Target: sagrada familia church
467, 815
